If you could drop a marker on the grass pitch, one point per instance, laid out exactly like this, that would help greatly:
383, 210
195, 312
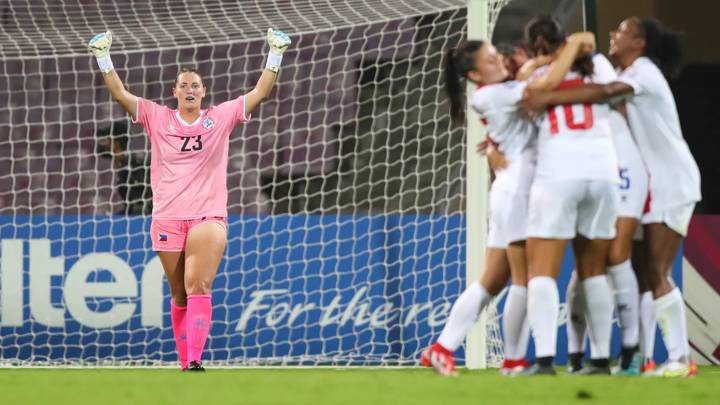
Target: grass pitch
343, 386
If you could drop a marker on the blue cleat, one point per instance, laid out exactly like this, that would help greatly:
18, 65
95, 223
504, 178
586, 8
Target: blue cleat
633, 369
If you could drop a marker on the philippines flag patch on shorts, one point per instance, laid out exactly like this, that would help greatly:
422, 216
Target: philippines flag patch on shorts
162, 237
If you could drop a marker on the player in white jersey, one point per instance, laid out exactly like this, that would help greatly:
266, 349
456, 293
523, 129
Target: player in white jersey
646, 52
633, 192
495, 100
573, 197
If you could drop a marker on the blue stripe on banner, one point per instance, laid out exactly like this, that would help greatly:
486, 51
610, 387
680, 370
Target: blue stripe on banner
364, 288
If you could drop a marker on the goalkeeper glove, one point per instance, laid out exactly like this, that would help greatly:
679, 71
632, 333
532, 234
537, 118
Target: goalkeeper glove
99, 45
279, 42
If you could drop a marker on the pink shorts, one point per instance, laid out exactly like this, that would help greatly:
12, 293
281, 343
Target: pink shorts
169, 235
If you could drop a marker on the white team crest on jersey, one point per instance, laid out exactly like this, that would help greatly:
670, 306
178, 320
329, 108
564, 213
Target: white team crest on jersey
208, 123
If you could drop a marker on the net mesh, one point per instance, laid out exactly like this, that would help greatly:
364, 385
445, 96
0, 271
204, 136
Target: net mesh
346, 189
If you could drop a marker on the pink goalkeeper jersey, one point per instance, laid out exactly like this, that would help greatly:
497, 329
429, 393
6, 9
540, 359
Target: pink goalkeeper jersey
188, 165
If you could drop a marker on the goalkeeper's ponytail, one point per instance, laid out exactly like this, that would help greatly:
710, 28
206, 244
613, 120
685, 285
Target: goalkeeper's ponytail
458, 62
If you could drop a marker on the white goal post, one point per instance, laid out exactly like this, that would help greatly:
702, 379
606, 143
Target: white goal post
482, 15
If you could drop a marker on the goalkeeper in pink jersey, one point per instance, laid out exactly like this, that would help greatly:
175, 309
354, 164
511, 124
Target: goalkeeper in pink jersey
189, 158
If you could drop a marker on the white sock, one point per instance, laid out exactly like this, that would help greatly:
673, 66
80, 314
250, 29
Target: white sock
576, 324
648, 325
670, 312
599, 308
464, 313
543, 306
627, 301
524, 338
514, 322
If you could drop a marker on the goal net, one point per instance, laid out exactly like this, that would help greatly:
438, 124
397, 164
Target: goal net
347, 233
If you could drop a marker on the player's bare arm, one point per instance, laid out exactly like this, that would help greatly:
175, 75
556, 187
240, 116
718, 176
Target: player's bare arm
538, 101
578, 44
278, 42
99, 45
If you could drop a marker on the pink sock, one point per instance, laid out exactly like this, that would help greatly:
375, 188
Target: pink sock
199, 315
177, 317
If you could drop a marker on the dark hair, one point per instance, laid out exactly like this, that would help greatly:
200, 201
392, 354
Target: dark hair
544, 35
509, 52
117, 131
458, 62
506, 49
188, 70
546, 28
662, 46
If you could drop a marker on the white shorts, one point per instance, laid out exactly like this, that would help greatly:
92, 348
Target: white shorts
508, 218
676, 218
560, 209
633, 173
633, 191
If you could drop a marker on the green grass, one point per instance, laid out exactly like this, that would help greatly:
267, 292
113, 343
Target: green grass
342, 386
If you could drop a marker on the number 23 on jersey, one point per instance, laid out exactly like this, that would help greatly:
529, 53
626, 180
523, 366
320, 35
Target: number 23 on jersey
191, 143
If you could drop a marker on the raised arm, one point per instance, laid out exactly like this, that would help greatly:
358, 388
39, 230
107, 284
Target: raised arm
278, 42
100, 47
531, 66
538, 101
578, 44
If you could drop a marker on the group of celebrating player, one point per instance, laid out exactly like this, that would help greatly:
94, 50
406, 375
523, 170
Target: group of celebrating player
586, 153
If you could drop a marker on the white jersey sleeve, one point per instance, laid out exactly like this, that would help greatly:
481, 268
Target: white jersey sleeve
497, 97
514, 135
497, 106
642, 83
603, 71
